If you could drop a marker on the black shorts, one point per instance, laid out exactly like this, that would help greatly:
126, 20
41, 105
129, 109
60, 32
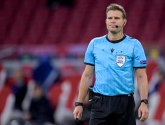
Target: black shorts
112, 110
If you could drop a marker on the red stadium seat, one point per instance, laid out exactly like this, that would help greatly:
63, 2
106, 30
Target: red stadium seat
31, 22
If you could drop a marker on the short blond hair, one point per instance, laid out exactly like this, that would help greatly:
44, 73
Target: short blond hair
118, 7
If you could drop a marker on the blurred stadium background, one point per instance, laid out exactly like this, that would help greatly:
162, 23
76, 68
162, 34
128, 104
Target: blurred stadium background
43, 41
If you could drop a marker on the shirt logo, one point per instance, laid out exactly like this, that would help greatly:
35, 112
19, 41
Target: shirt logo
112, 50
120, 60
143, 62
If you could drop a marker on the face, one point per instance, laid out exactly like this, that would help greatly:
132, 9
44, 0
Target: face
37, 92
18, 76
114, 18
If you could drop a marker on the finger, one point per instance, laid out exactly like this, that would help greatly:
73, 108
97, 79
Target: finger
139, 113
76, 118
79, 115
75, 114
142, 116
142, 119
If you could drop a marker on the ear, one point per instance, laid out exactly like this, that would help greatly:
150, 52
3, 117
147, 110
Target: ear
125, 21
105, 21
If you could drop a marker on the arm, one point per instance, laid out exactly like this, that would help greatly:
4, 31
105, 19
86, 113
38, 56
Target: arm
143, 89
85, 82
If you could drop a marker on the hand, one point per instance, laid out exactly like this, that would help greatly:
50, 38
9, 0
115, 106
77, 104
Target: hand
143, 112
78, 112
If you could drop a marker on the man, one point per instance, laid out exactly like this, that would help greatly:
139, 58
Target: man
113, 58
40, 110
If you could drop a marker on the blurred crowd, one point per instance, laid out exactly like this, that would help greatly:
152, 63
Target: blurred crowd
45, 94
37, 96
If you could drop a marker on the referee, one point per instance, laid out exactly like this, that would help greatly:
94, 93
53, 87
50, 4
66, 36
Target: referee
114, 58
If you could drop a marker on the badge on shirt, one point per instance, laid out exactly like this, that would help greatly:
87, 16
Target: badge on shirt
120, 60
143, 62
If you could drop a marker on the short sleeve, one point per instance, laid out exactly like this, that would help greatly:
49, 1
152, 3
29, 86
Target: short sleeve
139, 56
89, 57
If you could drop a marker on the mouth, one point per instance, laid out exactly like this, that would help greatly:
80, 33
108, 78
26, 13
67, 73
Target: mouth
112, 26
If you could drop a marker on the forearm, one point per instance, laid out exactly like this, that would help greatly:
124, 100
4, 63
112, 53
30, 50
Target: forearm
85, 82
143, 86
143, 90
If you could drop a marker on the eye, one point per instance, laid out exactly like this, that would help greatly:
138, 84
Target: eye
117, 18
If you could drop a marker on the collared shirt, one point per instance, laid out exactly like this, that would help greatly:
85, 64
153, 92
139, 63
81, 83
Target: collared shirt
114, 63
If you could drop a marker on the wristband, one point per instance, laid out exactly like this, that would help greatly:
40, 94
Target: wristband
145, 101
78, 104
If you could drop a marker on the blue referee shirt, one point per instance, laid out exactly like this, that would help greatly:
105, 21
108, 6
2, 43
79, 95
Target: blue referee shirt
114, 63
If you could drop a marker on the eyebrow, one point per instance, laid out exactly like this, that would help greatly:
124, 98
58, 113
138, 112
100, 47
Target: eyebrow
114, 17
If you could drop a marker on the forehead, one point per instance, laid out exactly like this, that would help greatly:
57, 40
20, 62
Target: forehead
114, 13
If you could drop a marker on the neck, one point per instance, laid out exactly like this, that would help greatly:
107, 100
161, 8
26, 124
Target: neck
116, 36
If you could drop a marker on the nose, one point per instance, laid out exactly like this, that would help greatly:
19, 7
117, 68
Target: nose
113, 20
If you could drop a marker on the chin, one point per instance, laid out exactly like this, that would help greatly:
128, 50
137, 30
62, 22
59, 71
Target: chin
113, 32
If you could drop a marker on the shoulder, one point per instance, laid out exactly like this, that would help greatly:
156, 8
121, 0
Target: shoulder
98, 40
132, 40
